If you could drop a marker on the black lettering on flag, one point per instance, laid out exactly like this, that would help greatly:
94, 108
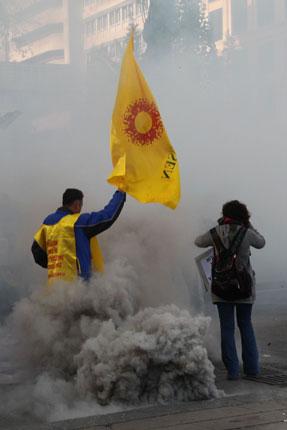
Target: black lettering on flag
169, 166
166, 176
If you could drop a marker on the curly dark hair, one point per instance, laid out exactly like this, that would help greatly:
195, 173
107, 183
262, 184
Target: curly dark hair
237, 211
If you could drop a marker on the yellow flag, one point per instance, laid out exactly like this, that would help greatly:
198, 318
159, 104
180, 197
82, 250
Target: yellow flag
145, 164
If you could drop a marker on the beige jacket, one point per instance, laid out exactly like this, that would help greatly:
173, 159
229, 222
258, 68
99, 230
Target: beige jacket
226, 233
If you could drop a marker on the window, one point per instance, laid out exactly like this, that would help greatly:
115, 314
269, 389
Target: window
216, 24
130, 11
119, 49
125, 13
90, 27
141, 7
139, 42
265, 12
138, 7
31, 9
105, 22
118, 16
112, 50
239, 16
115, 16
112, 17
102, 23
39, 33
145, 5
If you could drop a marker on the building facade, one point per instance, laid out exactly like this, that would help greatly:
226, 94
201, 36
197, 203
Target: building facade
44, 31
246, 20
107, 23
62, 31
256, 27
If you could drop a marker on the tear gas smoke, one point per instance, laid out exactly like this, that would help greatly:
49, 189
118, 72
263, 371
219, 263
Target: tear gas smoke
84, 342
128, 336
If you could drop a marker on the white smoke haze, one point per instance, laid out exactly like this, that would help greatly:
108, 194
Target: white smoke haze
134, 335
82, 342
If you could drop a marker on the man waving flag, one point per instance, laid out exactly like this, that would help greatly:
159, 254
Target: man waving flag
145, 163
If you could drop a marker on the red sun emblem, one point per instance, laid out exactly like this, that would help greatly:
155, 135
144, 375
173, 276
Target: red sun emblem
142, 122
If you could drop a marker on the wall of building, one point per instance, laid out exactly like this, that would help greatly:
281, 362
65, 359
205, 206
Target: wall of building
106, 23
64, 31
37, 31
46, 31
247, 21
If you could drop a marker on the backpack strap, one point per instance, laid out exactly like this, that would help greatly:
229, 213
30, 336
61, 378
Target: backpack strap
217, 241
237, 240
235, 244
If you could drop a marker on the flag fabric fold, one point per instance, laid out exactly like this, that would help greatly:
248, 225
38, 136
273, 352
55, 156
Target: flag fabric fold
145, 164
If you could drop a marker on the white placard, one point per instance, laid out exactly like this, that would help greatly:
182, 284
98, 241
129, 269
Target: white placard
204, 262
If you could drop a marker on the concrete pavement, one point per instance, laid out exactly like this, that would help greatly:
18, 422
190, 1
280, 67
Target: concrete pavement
246, 405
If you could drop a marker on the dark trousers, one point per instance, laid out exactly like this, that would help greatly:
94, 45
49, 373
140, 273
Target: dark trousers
248, 341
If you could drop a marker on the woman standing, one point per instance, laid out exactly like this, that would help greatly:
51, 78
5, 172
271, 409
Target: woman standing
236, 217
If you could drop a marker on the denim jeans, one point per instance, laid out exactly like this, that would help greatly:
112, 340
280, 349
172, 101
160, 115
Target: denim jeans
248, 341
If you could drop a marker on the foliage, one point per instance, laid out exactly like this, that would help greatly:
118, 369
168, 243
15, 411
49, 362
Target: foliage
177, 27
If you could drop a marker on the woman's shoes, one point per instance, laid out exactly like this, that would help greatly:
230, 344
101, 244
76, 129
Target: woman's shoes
246, 376
251, 375
232, 377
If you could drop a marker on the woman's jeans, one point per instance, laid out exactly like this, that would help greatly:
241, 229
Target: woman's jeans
248, 341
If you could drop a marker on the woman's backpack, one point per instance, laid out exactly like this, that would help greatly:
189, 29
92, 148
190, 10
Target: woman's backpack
230, 280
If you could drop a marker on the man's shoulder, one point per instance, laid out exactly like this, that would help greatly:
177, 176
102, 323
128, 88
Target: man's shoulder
54, 217
83, 219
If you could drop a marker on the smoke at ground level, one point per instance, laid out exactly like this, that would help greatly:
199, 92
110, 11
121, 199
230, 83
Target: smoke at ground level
91, 344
